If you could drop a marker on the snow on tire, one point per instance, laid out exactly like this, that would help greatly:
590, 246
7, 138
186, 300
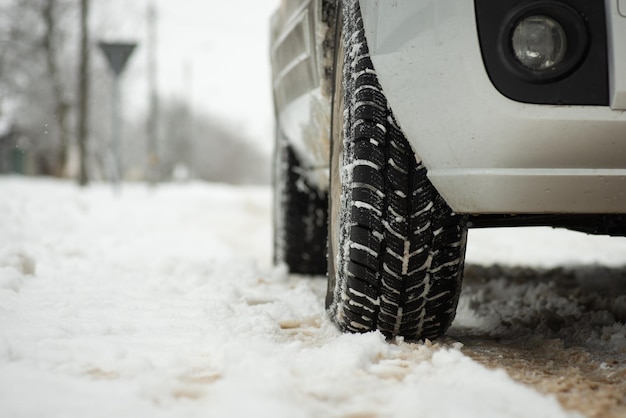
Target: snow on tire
396, 250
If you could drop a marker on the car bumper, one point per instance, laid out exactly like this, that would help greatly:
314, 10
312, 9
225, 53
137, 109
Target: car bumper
486, 153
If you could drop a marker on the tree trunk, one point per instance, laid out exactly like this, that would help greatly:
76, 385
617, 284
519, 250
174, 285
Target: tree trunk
61, 105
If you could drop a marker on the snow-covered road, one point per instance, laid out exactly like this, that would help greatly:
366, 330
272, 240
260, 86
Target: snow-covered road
163, 302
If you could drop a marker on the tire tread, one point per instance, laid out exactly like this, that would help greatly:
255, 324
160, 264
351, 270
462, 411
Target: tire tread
406, 246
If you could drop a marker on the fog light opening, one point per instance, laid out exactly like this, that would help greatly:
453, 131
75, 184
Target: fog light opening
539, 43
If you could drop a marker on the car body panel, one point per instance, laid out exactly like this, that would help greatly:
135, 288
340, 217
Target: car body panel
486, 153
616, 25
300, 66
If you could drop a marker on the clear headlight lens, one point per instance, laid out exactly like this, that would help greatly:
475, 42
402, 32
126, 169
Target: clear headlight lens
539, 43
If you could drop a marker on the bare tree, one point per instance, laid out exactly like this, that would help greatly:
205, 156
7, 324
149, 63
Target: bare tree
208, 149
59, 91
35, 89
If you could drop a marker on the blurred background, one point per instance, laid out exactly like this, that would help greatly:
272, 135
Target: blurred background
194, 95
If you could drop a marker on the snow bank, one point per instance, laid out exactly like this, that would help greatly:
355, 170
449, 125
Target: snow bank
162, 302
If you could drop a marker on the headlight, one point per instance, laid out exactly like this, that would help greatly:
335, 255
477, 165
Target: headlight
539, 43
546, 51
544, 40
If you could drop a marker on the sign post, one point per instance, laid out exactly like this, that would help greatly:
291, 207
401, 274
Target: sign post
117, 55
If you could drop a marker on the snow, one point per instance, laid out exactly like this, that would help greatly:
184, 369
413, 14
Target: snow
545, 247
163, 302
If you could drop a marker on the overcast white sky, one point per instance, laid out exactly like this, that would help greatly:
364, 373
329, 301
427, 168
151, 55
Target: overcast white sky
213, 53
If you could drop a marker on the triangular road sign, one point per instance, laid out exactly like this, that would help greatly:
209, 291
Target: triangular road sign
117, 54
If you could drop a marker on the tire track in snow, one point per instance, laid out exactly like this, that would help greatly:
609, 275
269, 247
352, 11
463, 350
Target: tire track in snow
560, 331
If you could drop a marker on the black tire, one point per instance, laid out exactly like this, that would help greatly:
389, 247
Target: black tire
300, 216
396, 250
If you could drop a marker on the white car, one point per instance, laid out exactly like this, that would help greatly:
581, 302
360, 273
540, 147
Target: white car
402, 123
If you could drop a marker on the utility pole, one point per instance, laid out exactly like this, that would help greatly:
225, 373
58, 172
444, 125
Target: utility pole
153, 118
83, 95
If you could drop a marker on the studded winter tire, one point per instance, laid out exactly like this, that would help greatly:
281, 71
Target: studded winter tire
396, 250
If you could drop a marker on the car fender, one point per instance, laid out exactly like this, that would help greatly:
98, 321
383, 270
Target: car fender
486, 153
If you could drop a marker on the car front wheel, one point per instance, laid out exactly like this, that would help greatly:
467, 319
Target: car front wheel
396, 250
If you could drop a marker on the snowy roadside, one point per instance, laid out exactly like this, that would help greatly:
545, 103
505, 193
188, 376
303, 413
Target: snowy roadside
162, 302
